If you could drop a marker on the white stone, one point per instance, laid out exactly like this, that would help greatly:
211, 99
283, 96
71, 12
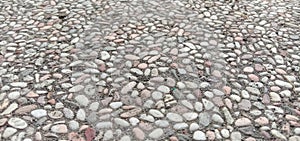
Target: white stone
199, 136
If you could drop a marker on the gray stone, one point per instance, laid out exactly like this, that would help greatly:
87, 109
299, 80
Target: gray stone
204, 118
81, 114
162, 123
82, 100
8, 132
156, 113
68, 113
236, 136
121, 122
17, 123
174, 117
190, 116
73, 125
180, 126
156, 133
108, 135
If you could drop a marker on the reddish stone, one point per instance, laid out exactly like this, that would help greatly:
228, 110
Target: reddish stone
258, 67
173, 138
253, 77
266, 99
227, 89
138, 133
90, 134
102, 67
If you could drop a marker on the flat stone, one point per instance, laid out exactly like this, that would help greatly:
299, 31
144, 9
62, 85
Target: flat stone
19, 84
115, 105
127, 88
180, 126
131, 113
8, 132
242, 122
131, 57
174, 117
104, 125
59, 128
277, 134
38, 113
25, 109
156, 113
156, 133
227, 115
163, 89
121, 122
283, 84
190, 116
162, 123
253, 90
82, 100
17, 123
76, 88
13, 95
10, 108
199, 136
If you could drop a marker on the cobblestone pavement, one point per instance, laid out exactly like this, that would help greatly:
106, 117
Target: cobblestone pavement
128, 70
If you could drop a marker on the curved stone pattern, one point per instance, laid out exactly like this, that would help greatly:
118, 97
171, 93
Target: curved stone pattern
87, 70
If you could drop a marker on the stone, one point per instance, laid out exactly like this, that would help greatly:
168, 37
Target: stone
156, 133
138, 133
162, 123
163, 89
199, 136
82, 100
208, 105
38, 113
17, 123
10, 108
59, 128
104, 125
242, 122
174, 117
283, 84
19, 84
156, 113
76, 88
8, 132
73, 125
125, 138
108, 135
81, 115
180, 126
190, 116
128, 87
245, 105
225, 133
277, 134
204, 118
131, 113
104, 55
236, 136
115, 105
68, 113
14, 95
56, 114
121, 122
